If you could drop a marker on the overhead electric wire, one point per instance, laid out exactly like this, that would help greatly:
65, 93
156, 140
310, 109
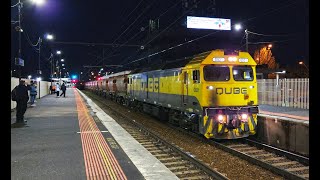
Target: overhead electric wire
170, 25
111, 52
30, 43
159, 52
163, 31
132, 37
266, 42
274, 10
147, 27
15, 5
132, 12
189, 42
181, 44
134, 21
172, 47
94, 44
259, 34
33, 46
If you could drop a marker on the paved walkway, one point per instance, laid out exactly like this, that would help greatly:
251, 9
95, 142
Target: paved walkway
72, 138
295, 113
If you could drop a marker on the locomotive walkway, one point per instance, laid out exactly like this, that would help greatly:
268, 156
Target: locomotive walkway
63, 140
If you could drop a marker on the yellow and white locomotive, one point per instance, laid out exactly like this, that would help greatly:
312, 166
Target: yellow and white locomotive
212, 93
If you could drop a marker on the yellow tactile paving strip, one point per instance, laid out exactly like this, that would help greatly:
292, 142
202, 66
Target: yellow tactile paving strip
99, 160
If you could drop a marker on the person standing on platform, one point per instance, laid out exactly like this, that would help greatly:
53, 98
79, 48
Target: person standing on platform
22, 98
51, 89
63, 89
33, 93
58, 89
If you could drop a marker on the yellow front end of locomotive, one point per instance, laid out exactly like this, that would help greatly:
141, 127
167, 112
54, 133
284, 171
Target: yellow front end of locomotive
229, 95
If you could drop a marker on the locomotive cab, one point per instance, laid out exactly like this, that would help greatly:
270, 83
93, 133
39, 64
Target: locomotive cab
229, 96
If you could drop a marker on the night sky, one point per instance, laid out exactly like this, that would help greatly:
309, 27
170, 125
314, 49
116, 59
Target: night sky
285, 23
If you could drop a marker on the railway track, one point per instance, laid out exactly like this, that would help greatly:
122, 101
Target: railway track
281, 162
284, 163
181, 163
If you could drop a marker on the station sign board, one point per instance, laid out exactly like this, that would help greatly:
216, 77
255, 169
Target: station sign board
19, 62
208, 23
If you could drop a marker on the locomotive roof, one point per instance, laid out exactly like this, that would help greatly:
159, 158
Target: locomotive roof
201, 58
219, 56
206, 58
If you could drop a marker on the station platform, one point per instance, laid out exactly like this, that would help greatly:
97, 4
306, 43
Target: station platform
63, 141
287, 112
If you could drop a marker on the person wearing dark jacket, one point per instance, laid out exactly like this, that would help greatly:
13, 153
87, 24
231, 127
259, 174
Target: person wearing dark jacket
22, 101
63, 89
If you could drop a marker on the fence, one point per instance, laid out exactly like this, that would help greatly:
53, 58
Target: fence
284, 92
44, 88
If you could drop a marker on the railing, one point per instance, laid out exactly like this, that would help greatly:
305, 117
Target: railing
44, 88
284, 92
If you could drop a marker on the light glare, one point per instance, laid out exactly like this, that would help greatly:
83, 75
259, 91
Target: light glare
238, 27
49, 36
220, 118
38, 2
218, 59
232, 59
244, 116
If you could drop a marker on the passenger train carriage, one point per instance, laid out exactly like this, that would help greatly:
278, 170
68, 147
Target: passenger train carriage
213, 93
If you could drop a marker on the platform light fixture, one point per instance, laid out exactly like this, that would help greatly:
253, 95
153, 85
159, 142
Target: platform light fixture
38, 2
49, 36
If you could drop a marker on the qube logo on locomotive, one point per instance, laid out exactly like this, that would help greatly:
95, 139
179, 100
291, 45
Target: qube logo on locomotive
235, 90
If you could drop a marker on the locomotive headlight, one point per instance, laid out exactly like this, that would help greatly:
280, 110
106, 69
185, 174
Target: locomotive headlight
244, 117
243, 60
217, 59
210, 87
232, 59
221, 119
251, 87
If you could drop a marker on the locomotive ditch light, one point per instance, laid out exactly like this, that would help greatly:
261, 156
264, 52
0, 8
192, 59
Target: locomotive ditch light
244, 117
221, 118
